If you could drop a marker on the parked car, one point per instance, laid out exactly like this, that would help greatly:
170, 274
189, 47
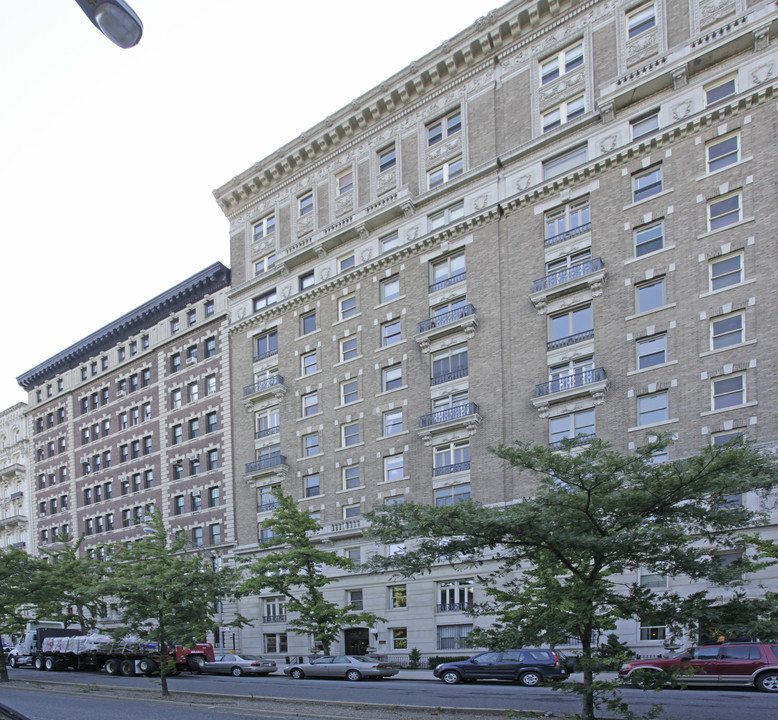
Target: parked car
351, 667
238, 665
727, 664
528, 666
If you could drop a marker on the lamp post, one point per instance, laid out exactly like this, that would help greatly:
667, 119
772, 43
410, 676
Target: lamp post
115, 19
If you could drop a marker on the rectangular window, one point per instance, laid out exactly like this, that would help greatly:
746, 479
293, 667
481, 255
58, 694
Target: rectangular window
308, 323
444, 128
398, 596
570, 327
264, 300
390, 242
305, 204
561, 63
650, 295
275, 643
651, 351
310, 363
572, 426
452, 495
649, 238
652, 627
453, 637
390, 289
653, 408
728, 392
349, 391
727, 331
347, 307
311, 445
214, 497
444, 173
264, 227
387, 158
351, 477
567, 221
391, 333
447, 216
641, 20
348, 349
210, 384
565, 162
449, 364
350, 434
215, 533
312, 485
735, 437
212, 459
722, 152
564, 113
394, 468
392, 377
720, 90
724, 212
346, 262
266, 346
210, 347
726, 271
211, 422
345, 181
194, 428
310, 404
399, 638
393, 422
306, 280
645, 124
264, 264
197, 536
356, 599
646, 184
448, 271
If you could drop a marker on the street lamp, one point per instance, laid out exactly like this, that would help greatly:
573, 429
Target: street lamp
115, 19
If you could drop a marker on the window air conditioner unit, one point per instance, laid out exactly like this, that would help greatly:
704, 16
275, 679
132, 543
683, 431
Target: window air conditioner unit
191, 361
193, 456
121, 393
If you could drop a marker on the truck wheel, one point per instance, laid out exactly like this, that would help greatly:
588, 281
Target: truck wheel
38, 662
147, 666
196, 663
13, 662
112, 666
127, 667
48, 663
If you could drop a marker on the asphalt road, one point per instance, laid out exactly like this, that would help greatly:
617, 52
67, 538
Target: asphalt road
689, 704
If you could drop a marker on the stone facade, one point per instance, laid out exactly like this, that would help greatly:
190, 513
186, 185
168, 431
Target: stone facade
556, 224
14, 488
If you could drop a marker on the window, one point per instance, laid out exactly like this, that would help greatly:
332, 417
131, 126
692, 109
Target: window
215, 533
210, 347
653, 408
351, 477
571, 426
641, 20
356, 599
175, 325
390, 242
311, 444
390, 289
264, 264
650, 295
305, 204
722, 152
348, 349
196, 501
387, 158
352, 511
179, 505
391, 333
197, 536
194, 428
399, 638
306, 280
645, 124
651, 351
449, 364
393, 422
727, 437
191, 317
452, 457
649, 238
728, 392
452, 495
310, 404
208, 310
346, 262
192, 392
349, 391
567, 221
347, 307
264, 227
392, 378
214, 497
394, 468
275, 643
453, 637
447, 216
211, 422
565, 162
308, 323
652, 627
570, 327
267, 345
455, 595
646, 184
178, 434
264, 300
312, 485
350, 434
445, 172
310, 363
210, 384
345, 181
727, 331
564, 113
720, 90
398, 596
448, 271
444, 128
561, 63
652, 579
724, 212
726, 271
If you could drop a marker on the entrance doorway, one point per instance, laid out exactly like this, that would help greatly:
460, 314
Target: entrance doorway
356, 640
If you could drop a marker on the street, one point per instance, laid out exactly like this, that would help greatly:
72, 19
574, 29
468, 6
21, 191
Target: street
426, 692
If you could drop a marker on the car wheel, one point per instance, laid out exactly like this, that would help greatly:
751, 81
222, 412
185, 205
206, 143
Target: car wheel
530, 679
644, 679
353, 675
236, 671
297, 674
127, 668
112, 666
451, 677
48, 663
767, 682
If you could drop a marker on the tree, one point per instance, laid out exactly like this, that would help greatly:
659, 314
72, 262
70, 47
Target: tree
21, 581
166, 591
297, 573
596, 515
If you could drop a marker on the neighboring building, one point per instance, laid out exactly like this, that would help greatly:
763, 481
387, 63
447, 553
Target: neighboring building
136, 417
557, 224
14, 480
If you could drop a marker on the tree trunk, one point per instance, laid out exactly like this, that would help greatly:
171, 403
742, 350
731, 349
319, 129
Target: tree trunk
163, 666
3, 669
587, 692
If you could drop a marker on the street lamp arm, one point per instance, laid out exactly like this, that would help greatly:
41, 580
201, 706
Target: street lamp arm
115, 19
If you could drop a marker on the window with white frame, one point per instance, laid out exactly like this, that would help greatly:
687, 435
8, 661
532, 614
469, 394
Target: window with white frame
393, 422
446, 216
571, 426
305, 204
356, 599
731, 436
645, 124
347, 307
351, 477
264, 227
445, 127
352, 511
650, 295
448, 271
392, 378
452, 495
345, 181
306, 280
266, 345
653, 408
399, 638
267, 422
387, 158
726, 331
398, 596
570, 326
311, 444
395, 500
350, 434
308, 323
564, 113
391, 332
720, 90
310, 404
726, 271
728, 392
444, 173
349, 391
561, 63
724, 211
348, 349
451, 457
449, 364
651, 578
653, 627
565, 162
641, 20
346, 262
567, 221
722, 151
394, 467
646, 183
275, 643
390, 242
264, 300
455, 595
651, 351
390, 289
310, 363
312, 485
649, 238
453, 637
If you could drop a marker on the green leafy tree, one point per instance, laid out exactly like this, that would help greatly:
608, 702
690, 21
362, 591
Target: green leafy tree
167, 591
597, 514
297, 573
21, 582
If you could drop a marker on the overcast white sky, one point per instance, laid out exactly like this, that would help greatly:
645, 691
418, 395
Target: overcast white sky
108, 157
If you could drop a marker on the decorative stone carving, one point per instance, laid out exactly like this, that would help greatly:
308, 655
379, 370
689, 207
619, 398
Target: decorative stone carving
363, 231
761, 38
523, 182
643, 46
555, 92
680, 77
608, 143
712, 11
367, 253
440, 151
344, 204
387, 181
607, 111
481, 201
413, 233
762, 74
682, 109
305, 225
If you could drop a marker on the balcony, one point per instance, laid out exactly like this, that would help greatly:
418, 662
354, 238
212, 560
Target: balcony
452, 280
272, 388
448, 376
570, 340
577, 442
272, 464
588, 275
12, 520
461, 319
592, 383
19, 545
353, 527
274, 618
454, 607
462, 415
10, 471
267, 432
17, 494
268, 506
449, 469
568, 234
265, 355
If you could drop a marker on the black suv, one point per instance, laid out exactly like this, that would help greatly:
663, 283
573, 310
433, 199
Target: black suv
528, 666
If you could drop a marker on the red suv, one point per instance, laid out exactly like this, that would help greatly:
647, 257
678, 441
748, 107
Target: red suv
727, 664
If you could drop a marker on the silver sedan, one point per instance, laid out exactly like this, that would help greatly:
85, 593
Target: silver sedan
238, 665
351, 667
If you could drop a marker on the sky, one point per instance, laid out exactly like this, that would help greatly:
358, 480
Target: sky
109, 157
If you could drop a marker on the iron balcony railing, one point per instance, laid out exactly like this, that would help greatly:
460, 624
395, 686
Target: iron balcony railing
570, 339
263, 385
273, 618
580, 439
448, 469
446, 318
264, 432
453, 280
265, 355
265, 507
266, 462
454, 607
569, 382
453, 413
448, 376
567, 234
579, 270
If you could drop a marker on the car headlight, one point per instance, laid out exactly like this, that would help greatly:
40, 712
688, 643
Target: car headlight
437, 667
625, 667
